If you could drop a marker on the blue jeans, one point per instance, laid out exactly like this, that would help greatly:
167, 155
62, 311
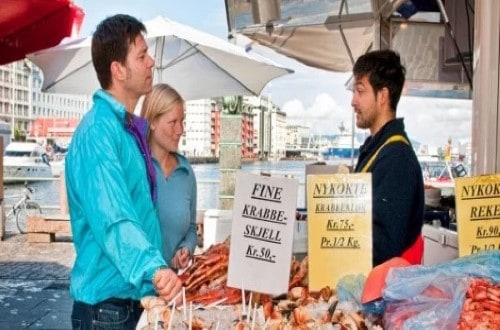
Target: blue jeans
111, 314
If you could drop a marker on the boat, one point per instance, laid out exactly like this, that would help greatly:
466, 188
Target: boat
438, 173
344, 145
25, 161
57, 164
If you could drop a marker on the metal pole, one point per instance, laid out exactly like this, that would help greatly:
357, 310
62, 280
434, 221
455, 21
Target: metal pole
13, 102
452, 35
2, 210
353, 123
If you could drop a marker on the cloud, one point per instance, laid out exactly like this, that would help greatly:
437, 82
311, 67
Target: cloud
323, 115
427, 120
320, 100
432, 121
294, 110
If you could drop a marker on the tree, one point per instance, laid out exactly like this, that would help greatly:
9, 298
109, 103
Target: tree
19, 135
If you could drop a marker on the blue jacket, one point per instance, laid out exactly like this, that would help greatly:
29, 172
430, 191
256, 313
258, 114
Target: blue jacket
398, 192
176, 205
114, 223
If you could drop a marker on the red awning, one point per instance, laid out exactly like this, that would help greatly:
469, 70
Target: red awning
30, 25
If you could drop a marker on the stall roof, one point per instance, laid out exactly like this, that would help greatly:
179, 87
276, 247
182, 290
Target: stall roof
332, 34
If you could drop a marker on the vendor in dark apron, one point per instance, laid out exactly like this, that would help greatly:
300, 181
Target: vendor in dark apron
397, 181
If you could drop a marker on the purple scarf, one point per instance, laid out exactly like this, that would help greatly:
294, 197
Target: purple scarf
138, 127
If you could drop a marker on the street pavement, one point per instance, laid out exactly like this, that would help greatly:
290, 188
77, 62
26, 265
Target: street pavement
34, 282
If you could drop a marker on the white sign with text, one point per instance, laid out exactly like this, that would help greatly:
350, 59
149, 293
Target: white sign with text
262, 233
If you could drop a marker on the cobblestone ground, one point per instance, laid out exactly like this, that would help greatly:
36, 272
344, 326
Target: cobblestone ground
34, 281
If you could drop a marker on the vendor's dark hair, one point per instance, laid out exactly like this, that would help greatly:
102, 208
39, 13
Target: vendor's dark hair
110, 42
384, 69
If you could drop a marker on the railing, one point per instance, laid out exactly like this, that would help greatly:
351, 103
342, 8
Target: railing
205, 188
8, 180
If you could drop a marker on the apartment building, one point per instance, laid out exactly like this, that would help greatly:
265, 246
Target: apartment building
269, 127
22, 102
247, 133
29, 112
197, 138
296, 135
18, 80
278, 134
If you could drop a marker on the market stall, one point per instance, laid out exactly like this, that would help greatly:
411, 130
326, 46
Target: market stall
463, 292
233, 284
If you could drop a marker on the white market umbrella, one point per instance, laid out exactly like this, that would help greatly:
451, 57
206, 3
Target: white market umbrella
197, 64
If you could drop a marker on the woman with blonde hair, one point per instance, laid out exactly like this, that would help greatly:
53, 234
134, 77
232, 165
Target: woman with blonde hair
163, 108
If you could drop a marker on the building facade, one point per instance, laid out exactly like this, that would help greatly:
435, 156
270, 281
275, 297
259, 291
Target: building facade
197, 137
247, 134
269, 127
32, 114
296, 135
278, 134
17, 82
22, 103
215, 129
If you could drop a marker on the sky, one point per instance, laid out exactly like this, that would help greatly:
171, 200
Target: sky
312, 97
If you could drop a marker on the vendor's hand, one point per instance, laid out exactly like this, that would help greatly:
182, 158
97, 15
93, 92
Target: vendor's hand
181, 258
168, 285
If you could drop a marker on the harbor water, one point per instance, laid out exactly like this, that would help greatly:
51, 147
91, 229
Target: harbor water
207, 176
47, 193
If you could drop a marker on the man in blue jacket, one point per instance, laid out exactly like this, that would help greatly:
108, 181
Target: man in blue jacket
110, 187
398, 189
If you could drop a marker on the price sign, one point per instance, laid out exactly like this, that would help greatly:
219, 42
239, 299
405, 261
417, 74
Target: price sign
262, 233
478, 213
339, 216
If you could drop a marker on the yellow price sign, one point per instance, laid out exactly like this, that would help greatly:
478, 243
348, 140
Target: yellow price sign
478, 213
339, 217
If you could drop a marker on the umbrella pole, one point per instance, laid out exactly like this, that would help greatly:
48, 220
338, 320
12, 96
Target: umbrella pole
159, 47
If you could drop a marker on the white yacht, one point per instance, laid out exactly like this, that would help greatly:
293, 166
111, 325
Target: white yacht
57, 165
25, 161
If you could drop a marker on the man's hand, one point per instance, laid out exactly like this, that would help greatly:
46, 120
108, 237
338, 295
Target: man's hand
181, 258
168, 285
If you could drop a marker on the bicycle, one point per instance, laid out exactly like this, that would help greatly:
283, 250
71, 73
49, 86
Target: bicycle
23, 208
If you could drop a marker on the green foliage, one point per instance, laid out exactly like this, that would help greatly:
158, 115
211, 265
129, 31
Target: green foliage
19, 135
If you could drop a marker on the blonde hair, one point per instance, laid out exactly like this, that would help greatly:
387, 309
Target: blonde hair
159, 101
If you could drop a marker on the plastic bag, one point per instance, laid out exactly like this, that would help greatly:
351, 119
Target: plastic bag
349, 289
431, 297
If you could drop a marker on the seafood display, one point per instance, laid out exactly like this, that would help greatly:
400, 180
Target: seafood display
481, 309
162, 316
299, 309
209, 303
214, 305
205, 280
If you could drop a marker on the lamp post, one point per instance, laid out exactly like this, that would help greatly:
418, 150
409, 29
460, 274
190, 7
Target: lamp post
27, 68
13, 101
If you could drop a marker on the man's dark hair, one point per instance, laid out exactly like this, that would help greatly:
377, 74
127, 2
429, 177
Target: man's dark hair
384, 69
110, 42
